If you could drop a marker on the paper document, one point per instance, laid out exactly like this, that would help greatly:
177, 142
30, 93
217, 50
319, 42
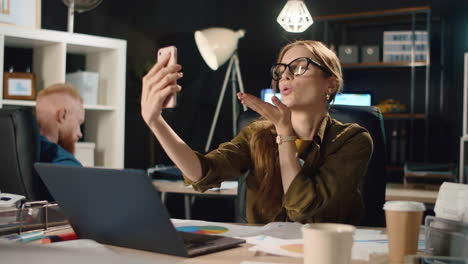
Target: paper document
285, 238
278, 246
284, 230
225, 185
367, 242
215, 228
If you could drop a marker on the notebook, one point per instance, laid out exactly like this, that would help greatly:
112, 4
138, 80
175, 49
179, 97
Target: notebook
122, 208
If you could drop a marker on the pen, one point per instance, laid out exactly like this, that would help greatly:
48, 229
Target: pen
25, 237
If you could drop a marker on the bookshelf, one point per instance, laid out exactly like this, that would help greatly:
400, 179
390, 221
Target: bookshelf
105, 121
369, 65
389, 116
367, 28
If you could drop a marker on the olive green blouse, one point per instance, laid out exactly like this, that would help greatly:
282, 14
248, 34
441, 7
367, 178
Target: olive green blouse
324, 190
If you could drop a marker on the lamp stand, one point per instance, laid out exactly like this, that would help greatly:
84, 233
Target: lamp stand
233, 74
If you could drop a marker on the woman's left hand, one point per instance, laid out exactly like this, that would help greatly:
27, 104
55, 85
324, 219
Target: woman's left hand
279, 114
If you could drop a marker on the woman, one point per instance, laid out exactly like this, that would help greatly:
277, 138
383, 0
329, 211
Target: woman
304, 166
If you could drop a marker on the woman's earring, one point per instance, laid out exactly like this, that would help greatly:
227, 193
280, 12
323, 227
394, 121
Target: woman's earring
327, 96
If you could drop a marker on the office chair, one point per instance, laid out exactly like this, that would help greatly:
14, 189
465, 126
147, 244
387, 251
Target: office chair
19, 138
372, 186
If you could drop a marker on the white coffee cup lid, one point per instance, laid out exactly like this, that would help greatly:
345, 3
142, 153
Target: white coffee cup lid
404, 206
329, 227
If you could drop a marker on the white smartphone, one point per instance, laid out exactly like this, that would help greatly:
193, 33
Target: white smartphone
171, 101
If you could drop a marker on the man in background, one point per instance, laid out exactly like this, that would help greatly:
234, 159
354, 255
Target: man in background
59, 113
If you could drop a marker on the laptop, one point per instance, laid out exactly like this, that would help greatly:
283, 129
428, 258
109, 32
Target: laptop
122, 208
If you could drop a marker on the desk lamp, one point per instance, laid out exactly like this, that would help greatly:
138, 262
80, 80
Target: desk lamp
218, 45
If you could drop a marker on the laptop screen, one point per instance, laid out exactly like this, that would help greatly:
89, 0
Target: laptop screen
362, 99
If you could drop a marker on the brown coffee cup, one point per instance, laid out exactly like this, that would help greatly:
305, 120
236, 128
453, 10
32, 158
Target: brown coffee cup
403, 223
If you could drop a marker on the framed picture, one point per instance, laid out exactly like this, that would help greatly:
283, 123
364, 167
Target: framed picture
26, 13
19, 85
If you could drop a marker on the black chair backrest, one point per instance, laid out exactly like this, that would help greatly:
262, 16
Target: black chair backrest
20, 148
372, 185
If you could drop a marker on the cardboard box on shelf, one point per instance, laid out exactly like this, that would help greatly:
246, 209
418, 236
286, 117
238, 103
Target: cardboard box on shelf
84, 152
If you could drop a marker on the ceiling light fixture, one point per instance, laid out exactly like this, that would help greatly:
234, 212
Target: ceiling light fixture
295, 17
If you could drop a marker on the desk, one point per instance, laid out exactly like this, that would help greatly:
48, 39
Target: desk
400, 192
392, 192
165, 187
230, 256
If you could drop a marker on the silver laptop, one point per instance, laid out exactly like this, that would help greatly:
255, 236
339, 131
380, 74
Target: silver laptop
122, 208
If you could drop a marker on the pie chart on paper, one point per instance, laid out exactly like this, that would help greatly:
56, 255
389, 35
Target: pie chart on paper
207, 230
295, 248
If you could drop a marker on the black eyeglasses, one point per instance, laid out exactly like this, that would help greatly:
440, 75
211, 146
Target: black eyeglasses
296, 67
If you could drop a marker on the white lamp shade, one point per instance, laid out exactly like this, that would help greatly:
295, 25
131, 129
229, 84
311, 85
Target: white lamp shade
216, 45
295, 17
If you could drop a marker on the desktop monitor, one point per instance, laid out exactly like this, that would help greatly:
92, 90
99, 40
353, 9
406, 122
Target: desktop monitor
348, 98
360, 99
267, 93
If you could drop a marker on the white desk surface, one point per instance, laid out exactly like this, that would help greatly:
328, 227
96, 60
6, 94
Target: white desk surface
230, 256
179, 187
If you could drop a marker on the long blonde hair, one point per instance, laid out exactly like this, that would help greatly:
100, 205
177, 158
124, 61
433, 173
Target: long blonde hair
264, 149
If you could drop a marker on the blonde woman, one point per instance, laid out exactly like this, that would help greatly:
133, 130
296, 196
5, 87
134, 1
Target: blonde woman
304, 166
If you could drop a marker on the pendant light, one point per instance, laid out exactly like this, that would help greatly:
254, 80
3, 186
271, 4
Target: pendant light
295, 17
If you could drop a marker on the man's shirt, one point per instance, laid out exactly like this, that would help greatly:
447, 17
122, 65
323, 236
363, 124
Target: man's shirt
54, 153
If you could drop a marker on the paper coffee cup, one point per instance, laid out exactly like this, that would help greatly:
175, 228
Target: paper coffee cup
403, 223
327, 243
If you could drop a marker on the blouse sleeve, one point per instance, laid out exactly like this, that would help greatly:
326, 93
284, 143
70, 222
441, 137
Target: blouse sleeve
337, 177
227, 162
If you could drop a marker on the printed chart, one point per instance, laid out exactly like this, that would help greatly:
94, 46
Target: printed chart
207, 230
295, 248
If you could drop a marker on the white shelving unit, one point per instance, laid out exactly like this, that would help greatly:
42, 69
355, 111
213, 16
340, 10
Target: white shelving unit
105, 122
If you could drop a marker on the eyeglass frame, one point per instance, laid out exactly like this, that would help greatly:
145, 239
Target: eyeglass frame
286, 66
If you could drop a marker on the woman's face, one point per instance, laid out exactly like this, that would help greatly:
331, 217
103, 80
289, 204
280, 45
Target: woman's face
307, 90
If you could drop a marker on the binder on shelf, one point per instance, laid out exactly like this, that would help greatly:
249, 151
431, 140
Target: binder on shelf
398, 46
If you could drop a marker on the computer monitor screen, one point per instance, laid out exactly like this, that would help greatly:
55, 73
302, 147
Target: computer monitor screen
363, 99
267, 93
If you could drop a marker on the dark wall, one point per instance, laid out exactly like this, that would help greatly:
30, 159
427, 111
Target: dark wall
148, 25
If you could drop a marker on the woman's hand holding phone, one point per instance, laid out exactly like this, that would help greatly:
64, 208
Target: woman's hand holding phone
171, 100
158, 85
